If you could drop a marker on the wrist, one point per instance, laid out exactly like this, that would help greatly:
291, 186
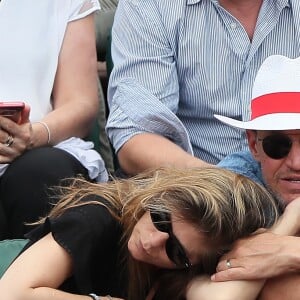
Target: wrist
288, 223
292, 253
41, 134
96, 297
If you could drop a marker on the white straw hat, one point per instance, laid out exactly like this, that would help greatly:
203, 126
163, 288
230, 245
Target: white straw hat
275, 103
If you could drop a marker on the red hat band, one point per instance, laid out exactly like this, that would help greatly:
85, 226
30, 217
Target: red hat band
282, 102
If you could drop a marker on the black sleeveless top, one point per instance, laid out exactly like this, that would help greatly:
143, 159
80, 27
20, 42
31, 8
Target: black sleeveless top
92, 237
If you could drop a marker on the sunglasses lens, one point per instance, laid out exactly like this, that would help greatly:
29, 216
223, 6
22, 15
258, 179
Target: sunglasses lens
161, 221
174, 250
176, 253
277, 146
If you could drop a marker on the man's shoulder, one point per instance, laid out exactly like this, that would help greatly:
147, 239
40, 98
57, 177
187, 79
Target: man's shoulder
243, 163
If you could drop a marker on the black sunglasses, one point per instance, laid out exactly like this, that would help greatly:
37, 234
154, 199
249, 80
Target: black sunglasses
276, 146
174, 250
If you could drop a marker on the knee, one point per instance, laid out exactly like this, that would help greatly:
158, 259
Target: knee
46, 164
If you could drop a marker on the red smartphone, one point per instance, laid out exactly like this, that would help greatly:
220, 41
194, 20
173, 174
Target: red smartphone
12, 110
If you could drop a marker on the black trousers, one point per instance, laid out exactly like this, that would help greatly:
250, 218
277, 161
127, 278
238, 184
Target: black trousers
25, 193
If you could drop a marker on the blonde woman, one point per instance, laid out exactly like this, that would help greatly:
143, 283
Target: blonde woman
119, 238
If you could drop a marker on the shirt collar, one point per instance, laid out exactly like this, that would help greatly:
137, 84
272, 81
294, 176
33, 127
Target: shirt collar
282, 2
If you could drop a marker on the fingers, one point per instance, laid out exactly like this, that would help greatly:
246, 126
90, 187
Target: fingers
7, 150
226, 264
14, 139
25, 114
5, 138
250, 268
8, 127
231, 269
7, 154
9, 141
227, 275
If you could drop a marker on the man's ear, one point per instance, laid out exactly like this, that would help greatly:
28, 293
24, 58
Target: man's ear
252, 143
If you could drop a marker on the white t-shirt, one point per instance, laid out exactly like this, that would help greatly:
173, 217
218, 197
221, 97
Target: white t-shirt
31, 35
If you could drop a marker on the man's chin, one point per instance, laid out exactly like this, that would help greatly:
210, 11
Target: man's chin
285, 198
290, 197
281, 198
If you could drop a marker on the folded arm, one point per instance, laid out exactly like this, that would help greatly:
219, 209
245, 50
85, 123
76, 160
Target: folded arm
268, 254
38, 272
264, 266
146, 151
203, 288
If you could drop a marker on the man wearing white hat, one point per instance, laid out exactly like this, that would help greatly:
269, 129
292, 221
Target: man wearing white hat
274, 129
274, 140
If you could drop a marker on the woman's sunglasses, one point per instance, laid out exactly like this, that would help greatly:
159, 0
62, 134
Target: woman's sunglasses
276, 146
175, 251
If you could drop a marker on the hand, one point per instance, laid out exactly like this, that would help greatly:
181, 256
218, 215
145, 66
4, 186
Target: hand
260, 256
14, 138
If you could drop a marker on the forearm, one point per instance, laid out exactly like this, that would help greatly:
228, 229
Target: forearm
282, 287
203, 288
267, 254
38, 272
147, 151
45, 293
42, 293
288, 223
74, 118
75, 89
288, 226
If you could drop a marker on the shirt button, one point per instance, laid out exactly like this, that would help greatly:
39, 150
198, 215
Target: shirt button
233, 25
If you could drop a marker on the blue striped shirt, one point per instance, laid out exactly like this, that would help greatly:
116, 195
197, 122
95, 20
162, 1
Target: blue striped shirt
179, 62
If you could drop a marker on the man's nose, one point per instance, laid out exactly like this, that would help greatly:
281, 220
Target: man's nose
293, 158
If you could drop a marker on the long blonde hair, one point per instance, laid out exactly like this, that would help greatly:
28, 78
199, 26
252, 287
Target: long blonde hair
218, 202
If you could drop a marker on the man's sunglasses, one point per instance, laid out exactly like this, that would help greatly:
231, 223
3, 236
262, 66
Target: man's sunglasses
175, 251
276, 146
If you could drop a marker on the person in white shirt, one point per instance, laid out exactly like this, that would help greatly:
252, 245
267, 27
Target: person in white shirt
47, 61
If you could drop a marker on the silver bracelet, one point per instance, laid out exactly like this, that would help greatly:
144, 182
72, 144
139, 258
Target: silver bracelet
94, 296
49, 135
